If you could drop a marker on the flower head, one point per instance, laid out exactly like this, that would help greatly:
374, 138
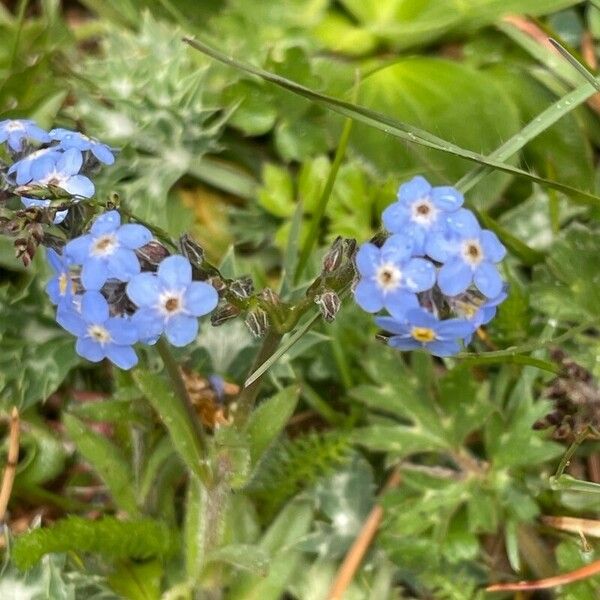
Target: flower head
74, 139
61, 287
170, 301
98, 334
23, 168
420, 209
469, 254
107, 252
390, 278
15, 131
420, 329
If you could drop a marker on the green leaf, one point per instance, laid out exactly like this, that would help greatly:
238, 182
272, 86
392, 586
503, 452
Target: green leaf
138, 581
277, 193
399, 440
175, 418
242, 556
269, 420
390, 125
415, 91
107, 461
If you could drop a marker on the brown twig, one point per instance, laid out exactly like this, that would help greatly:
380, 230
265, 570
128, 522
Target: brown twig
11, 462
361, 544
550, 582
588, 527
588, 51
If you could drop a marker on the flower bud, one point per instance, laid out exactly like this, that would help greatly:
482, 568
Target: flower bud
242, 287
223, 313
257, 322
191, 250
270, 296
329, 304
334, 256
151, 255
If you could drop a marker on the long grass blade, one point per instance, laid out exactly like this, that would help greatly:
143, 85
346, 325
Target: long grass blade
391, 126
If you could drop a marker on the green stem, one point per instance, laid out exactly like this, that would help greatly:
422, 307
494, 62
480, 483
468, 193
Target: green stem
181, 393
566, 459
247, 398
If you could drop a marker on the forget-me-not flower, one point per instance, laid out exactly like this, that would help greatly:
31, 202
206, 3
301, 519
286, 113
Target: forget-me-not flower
98, 334
23, 168
107, 251
61, 287
469, 254
419, 210
15, 131
170, 301
390, 277
420, 329
74, 139
62, 170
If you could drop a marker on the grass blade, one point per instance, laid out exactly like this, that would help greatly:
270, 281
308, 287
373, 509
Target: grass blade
576, 64
388, 125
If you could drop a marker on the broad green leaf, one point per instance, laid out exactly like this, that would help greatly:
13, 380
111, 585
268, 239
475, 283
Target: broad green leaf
107, 460
277, 193
269, 419
416, 91
175, 418
389, 125
242, 556
138, 581
399, 440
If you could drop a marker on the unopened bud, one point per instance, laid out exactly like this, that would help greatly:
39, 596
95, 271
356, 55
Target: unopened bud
242, 287
191, 250
334, 256
257, 322
329, 304
36, 231
223, 313
270, 296
151, 255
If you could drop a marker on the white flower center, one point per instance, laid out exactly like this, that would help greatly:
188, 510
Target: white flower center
15, 126
423, 212
388, 277
472, 252
104, 245
55, 178
170, 303
99, 334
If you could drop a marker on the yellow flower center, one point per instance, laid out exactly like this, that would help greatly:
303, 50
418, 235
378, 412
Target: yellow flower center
105, 245
423, 334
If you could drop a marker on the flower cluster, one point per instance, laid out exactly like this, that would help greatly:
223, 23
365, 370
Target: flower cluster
42, 160
436, 274
110, 298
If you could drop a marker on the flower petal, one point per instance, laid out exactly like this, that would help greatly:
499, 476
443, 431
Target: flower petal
447, 198
102, 153
123, 264
144, 289
402, 343
149, 325
421, 318
69, 319
395, 216
440, 246
488, 280
493, 249
400, 302
417, 187
443, 348
181, 330
397, 248
78, 249
94, 273
454, 277
368, 296
106, 222
367, 259
133, 235
122, 331
79, 185
200, 298
94, 307
463, 223
393, 325
122, 356
419, 275
175, 271
70, 162
89, 349
454, 328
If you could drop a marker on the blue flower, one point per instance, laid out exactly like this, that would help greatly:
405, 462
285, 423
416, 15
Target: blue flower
14, 131
419, 210
469, 254
420, 329
107, 252
170, 301
390, 278
98, 334
74, 139
61, 287
23, 168
62, 170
